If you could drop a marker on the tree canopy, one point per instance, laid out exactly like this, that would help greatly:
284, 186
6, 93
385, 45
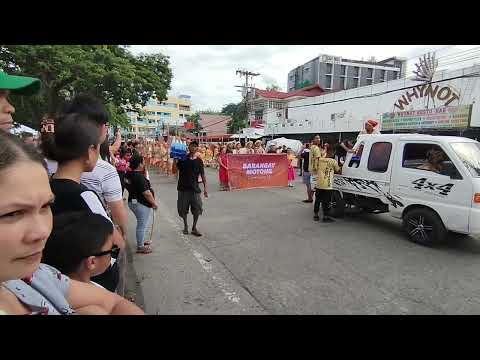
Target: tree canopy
122, 80
238, 112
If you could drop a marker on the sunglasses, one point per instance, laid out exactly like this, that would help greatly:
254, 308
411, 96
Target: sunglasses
113, 251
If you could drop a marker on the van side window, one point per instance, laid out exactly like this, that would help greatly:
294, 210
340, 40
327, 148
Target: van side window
356, 157
379, 156
429, 157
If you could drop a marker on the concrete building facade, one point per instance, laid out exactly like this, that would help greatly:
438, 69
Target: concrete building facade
448, 104
333, 73
159, 116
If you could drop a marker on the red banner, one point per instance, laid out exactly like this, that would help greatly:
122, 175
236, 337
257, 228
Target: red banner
257, 171
189, 125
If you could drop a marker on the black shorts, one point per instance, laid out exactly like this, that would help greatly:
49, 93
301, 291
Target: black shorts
189, 200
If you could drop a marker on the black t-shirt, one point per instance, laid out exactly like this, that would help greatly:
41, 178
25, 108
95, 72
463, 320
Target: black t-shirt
340, 151
136, 183
188, 172
305, 157
72, 196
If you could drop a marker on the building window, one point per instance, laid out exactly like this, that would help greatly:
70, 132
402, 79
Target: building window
356, 71
184, 107
343, 70
329, 68
306, 69
369, 73
258, 115
382, 75
169, 105
369, 81
328, 81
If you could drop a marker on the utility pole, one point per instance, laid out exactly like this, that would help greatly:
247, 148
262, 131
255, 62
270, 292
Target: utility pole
247, 74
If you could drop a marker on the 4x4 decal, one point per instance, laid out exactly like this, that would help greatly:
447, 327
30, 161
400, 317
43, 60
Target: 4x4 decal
422, 183
362, 184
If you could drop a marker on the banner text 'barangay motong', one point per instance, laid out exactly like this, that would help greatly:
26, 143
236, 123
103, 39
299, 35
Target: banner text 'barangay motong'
257, 171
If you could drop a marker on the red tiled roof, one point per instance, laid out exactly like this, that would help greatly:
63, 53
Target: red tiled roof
313, 90
214, 124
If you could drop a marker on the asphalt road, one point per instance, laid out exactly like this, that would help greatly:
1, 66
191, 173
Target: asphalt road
262, 253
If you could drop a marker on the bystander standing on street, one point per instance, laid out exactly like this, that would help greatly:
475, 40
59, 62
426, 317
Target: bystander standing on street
189, 189
306, 174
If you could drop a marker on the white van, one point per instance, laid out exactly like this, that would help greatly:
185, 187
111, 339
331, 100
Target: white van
385, 177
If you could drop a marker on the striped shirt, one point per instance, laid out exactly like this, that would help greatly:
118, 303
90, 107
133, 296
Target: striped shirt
104, 180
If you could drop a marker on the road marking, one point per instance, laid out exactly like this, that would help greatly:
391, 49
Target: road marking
221, 283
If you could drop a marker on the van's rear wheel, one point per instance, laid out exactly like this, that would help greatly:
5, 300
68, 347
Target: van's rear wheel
424, 227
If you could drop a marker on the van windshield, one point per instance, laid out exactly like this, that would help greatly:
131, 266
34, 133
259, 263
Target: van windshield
469, 154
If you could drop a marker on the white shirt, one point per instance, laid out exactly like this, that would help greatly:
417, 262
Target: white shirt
52, 166
104, 180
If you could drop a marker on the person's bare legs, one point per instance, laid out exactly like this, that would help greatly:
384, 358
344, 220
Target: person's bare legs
194, 226
185, 224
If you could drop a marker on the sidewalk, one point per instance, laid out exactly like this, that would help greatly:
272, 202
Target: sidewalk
181, 276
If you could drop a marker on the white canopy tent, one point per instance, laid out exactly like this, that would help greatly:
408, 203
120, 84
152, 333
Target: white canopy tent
295, 145
249, 133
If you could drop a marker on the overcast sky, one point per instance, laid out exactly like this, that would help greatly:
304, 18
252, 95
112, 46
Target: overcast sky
207, 72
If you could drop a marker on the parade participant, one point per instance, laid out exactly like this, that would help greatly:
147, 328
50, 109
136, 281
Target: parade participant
26, 285
272, 149
238, 148
223, 169
189, 189
258, 148
216, 153
324, 186
230, 148
209, 156
21, 85
86, 253
249, 148
306, 174
291, 170
141, 201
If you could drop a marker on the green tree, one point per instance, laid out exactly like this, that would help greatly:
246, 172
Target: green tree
123, 81
273, 87
238, 113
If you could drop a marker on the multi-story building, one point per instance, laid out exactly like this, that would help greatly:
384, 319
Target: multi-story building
159, 116
446, 105
334, 73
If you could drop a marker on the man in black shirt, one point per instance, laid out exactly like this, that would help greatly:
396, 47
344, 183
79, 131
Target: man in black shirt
306, 175
188, 189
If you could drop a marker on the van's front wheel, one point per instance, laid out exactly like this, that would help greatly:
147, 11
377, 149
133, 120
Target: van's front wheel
424, 227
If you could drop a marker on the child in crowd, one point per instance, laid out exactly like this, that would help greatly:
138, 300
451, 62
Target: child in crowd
291, 170
87, 253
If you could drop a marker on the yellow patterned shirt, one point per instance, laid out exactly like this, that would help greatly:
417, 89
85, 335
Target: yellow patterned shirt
326, 169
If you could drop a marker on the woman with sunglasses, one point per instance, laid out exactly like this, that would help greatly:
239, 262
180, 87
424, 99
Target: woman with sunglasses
27, 286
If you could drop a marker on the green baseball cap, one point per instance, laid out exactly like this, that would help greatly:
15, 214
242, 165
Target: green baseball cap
22, 85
